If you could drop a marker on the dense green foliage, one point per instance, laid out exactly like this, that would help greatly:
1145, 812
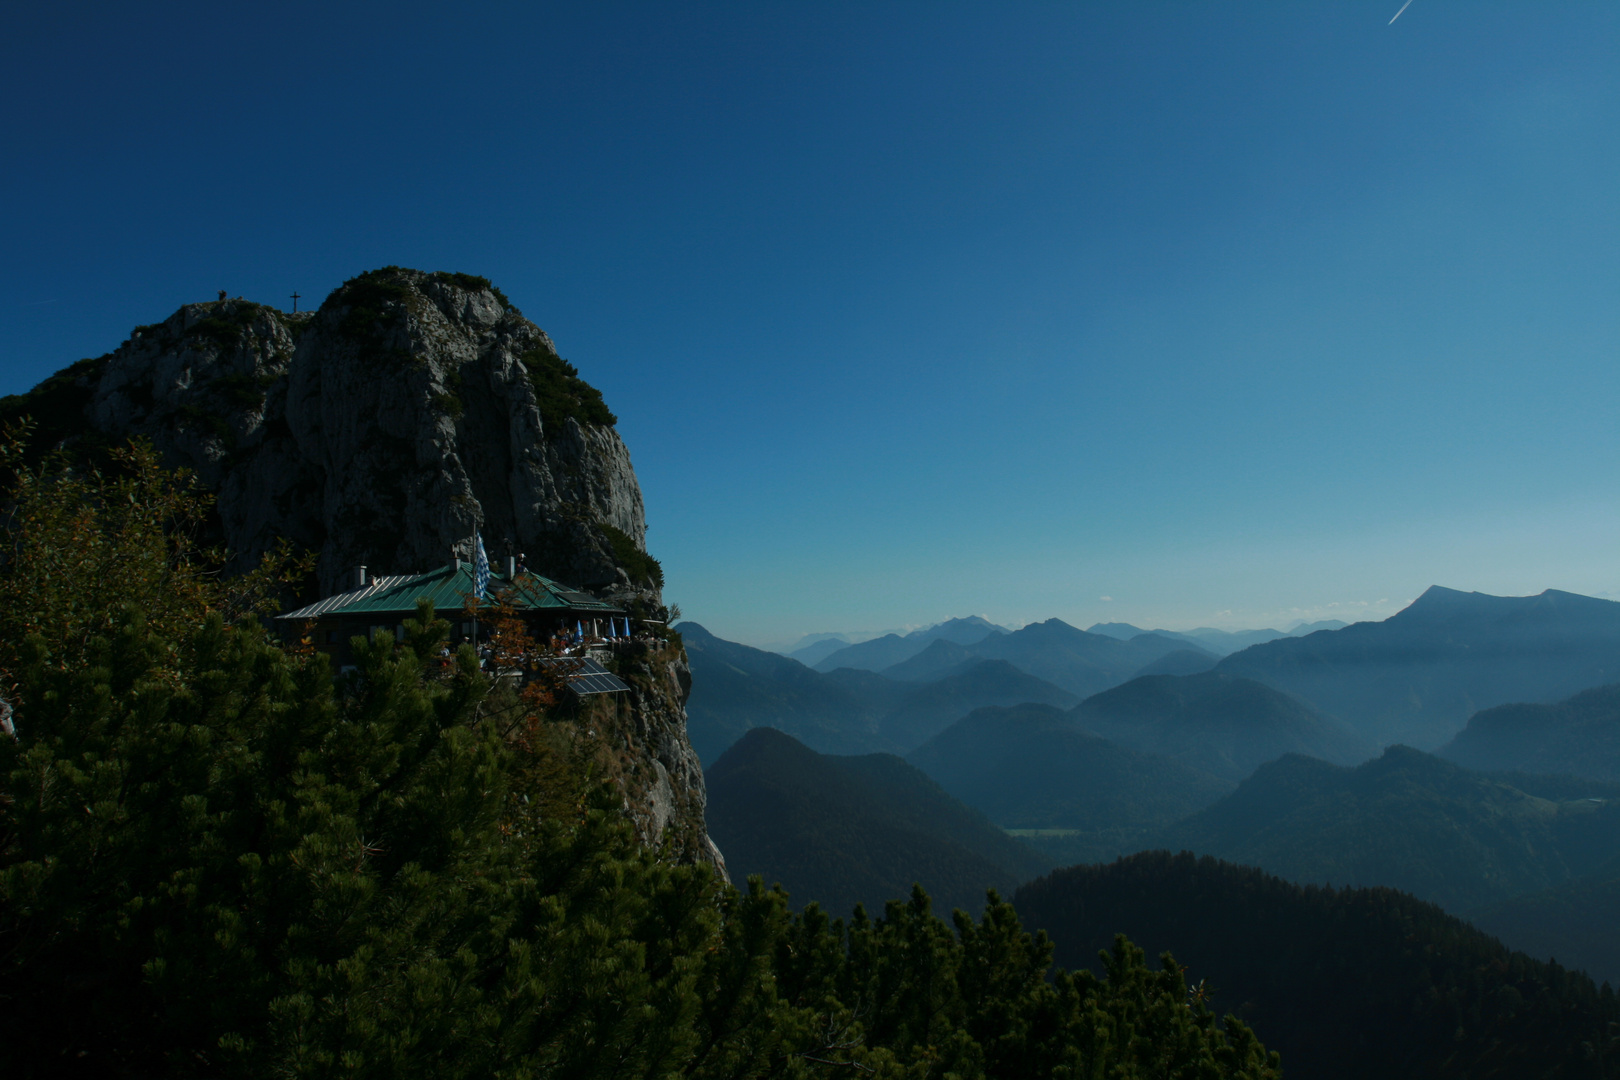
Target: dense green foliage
1407, 820
55, 407
642, 568
368, 299
225, 329
562, 395
1347, 983
849, 830
218, 860
473, 283
1579, 736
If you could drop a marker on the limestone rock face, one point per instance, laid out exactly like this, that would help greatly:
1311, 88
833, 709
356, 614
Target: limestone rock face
379, 431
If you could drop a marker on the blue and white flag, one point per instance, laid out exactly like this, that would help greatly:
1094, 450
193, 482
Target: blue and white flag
480, 566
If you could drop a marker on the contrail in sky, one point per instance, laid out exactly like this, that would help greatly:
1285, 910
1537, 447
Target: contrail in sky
1398, 13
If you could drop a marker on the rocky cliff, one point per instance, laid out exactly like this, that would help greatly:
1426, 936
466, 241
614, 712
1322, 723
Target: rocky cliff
379, 431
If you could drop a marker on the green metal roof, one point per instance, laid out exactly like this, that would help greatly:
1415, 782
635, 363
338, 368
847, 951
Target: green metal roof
449, 589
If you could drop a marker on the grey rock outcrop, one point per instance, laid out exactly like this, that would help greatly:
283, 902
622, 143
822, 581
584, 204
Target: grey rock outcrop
380, 430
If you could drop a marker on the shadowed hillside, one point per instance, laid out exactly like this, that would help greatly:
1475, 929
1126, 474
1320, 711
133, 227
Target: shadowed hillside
935, 706
1180, 662
1031, 767
1577, 922
1218, 723
735, 688
1406, 820
1347, 984
1579, 736
848, 830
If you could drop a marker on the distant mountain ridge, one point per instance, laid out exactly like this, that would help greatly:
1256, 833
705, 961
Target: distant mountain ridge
891, 649
941, 658
1219, 642
1419, 675
1079, 662
813, 653
736, 688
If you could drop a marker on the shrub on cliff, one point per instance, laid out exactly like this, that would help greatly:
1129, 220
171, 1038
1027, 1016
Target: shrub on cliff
561, 394
217, 860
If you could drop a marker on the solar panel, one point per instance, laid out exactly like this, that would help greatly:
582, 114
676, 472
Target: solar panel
585, 676
597, 684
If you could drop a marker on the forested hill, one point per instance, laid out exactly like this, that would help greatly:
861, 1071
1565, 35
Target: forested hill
1223, 724
1347, 983
1408, 820
1580, 736
1578, 922
848, 830
1032, 767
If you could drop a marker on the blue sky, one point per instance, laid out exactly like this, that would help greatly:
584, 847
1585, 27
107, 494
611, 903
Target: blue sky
1178, 314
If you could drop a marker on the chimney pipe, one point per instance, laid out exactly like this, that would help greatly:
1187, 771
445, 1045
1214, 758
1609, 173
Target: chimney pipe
359, 577
511, 567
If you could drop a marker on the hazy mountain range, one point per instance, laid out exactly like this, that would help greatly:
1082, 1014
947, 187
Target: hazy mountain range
1219, 642
1536, 858
1417, 676
846, 711
899, 646
1080, 662
1414, 678
1051, 745
890, 649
